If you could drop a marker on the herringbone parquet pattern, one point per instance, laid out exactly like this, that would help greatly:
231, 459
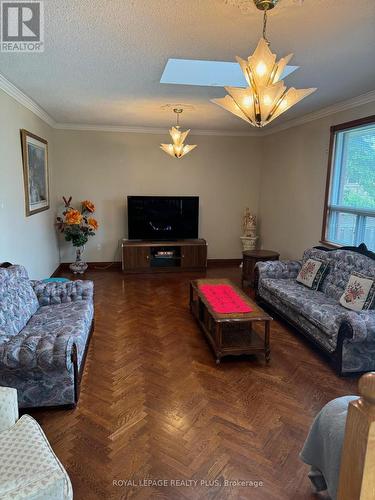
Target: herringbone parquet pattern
154, 406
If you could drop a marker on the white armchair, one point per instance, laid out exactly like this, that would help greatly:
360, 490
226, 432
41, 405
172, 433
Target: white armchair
8, 408
29, 469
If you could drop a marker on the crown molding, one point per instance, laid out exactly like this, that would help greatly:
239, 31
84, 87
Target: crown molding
30, 104
354, 102
148, 130
25, 100
109, 128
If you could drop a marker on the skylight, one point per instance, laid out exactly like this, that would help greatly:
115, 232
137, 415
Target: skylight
207, 73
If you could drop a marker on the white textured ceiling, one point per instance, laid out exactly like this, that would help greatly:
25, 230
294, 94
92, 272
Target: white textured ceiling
103, 59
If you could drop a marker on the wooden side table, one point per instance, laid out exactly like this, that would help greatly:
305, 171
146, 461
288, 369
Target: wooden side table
250, 258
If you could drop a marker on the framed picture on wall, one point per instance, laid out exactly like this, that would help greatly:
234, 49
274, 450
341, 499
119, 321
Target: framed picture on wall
35, 172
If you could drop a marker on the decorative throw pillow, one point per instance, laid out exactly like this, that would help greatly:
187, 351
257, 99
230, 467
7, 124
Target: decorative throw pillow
359, 293
312, 273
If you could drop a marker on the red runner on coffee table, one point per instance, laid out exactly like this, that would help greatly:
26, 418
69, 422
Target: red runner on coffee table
224, 299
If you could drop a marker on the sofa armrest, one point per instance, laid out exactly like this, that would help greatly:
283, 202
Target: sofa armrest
59, 293
8, 407
278, 269
39, 351
358, 326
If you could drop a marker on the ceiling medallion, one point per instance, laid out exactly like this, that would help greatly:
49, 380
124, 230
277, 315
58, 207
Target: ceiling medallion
265, 4
266, 96
173, 106
247, 6
178, 149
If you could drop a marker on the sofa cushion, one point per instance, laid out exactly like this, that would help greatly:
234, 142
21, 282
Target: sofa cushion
324, 312
43, 342
18, 301
63, 314
343, 263
359, 293
312, 273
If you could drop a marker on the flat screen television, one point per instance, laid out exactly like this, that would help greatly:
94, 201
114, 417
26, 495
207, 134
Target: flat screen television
163, 218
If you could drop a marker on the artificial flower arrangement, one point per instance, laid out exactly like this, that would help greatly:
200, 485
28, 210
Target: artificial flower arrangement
78, 225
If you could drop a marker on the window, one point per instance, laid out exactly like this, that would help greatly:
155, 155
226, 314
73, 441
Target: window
349, 214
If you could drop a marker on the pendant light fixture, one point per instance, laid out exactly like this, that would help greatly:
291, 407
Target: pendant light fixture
266, 96
178, 149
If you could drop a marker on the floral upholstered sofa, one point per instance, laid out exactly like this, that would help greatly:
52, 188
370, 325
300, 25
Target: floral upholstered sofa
44, 333
347, 336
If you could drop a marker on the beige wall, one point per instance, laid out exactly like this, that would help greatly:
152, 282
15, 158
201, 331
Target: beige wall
294, 167
108, 166
281, 177
30, 241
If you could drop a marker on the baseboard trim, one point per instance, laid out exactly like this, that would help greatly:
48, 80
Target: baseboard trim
93, 266
104, 266
223, 262
111, 266
57, 271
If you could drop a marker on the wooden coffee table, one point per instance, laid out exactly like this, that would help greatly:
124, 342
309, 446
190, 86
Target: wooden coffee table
230, 334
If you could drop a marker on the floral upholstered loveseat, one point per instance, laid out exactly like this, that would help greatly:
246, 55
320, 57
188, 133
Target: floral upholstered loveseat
348, 337
44, 333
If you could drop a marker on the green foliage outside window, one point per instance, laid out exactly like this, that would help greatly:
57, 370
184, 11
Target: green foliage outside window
359, 172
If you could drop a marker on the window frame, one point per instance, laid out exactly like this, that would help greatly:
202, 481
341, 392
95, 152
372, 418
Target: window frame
369, 120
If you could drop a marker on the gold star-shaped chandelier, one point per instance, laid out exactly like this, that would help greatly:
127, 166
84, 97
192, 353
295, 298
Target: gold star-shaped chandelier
266, 96
178, 149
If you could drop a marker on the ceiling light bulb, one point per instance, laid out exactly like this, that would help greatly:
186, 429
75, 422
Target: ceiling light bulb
261, 69
178, 149
267, 100
248, 101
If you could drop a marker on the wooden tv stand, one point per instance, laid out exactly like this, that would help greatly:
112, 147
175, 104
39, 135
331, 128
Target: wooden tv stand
140, 256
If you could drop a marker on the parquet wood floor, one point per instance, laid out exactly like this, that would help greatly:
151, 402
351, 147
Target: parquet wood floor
154, 406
